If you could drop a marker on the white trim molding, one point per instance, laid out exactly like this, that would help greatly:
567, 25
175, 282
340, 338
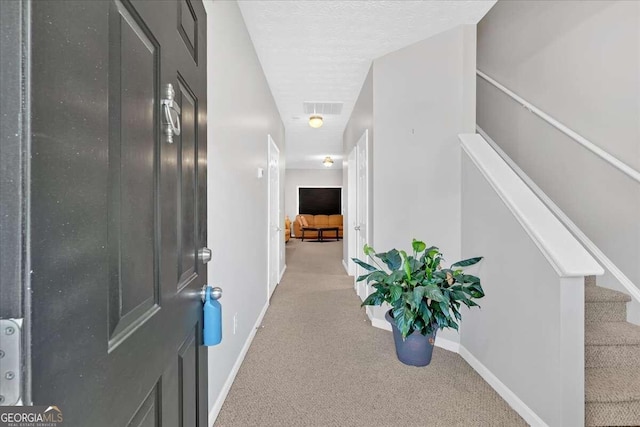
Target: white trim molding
604, 155
215, 410
344, 265
509, 396
282, 273
629, 286
271, 145
563, 251
380, 323
447, 344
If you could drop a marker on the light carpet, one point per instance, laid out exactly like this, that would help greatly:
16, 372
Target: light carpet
612, 359
317, 361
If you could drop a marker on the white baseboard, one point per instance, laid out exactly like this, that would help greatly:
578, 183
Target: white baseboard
447, 344
282, 273
215, 410
344, 264
380, 323
509, 396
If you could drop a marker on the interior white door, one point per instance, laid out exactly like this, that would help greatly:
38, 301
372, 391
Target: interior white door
275, 227
362, 207
352, 218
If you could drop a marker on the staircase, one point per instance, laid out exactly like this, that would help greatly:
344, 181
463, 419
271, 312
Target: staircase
612, 359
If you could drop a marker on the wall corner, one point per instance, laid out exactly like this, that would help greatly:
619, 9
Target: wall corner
469, 53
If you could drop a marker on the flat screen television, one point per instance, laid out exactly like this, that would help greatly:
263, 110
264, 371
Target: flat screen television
319, 201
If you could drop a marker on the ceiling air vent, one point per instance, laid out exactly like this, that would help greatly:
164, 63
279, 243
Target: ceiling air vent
322, 108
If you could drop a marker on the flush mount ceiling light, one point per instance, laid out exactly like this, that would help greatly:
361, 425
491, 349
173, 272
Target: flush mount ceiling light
327, 162
315, 121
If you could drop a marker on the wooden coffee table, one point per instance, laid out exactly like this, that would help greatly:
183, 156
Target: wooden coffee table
321, 231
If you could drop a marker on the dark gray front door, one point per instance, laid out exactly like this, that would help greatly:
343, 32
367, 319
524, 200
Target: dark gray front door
118, 213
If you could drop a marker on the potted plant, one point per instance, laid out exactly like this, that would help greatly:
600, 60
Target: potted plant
424, 296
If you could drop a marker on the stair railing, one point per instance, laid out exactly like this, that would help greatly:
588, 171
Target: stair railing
608, 264
604, 155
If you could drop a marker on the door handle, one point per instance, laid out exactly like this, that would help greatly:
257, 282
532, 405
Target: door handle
205, 255
215, 292
168, 104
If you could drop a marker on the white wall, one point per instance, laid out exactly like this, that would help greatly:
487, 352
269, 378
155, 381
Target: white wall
533, 274
580, 63
423, 97
241, 114
519, 318
308, 177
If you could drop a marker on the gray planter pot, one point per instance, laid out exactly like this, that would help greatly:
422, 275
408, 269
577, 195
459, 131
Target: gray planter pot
416, 349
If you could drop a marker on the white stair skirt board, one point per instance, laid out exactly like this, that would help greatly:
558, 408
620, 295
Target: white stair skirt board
282, 273
346, 268
215, 410
440, 342
518, 405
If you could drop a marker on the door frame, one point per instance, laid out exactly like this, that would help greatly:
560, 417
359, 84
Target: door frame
15, 134
272, 147
362, 288
352, 190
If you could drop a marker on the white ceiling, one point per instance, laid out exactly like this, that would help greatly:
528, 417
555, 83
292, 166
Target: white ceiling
322, 51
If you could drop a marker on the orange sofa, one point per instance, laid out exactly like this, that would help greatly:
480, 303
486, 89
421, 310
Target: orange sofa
317, 221
287, 229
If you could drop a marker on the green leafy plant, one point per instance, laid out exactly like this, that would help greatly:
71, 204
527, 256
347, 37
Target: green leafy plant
423, 295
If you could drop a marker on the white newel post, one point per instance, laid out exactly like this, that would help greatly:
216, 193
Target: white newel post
572, 350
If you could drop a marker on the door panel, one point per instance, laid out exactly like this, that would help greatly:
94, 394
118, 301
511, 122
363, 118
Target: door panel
117, 213
133, 231
188, 370
187, 216
148, 415
188, 27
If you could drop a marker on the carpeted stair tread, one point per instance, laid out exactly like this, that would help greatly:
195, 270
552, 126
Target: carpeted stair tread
612, 385
612, 333
597, 312
600, 294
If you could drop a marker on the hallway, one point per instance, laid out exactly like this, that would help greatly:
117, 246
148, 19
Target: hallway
317, 361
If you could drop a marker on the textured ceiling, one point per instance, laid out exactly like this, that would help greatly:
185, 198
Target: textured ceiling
322, 50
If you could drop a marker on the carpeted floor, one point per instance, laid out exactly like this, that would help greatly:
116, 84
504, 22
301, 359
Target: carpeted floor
317, 361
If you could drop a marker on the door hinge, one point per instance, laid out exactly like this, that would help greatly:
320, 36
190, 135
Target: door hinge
10, 362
